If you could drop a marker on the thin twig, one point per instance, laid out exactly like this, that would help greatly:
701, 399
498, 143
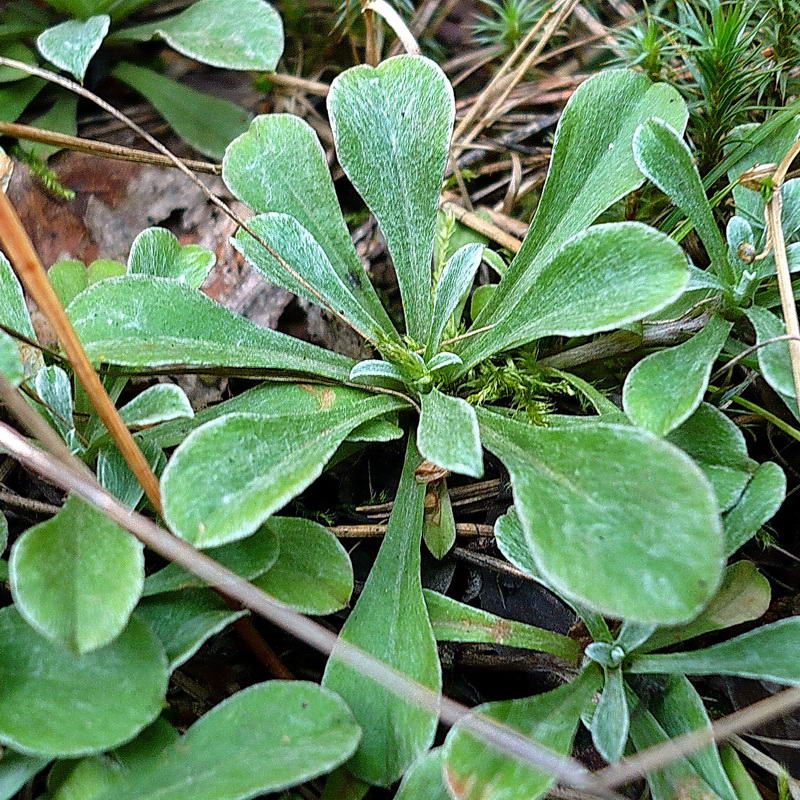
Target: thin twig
38, 507
748, 352
466, 529
395, 22
490, 231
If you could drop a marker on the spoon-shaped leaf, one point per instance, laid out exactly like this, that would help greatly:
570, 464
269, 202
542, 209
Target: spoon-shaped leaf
157, 252
768, 653
77, 577
759, 502
611, 720
651, 551
71, 45
424, 779
59, 704
773, 359
390, 621
602, 278
448, 434
392, 127
158, 403
665, 388
145, 322
233, 473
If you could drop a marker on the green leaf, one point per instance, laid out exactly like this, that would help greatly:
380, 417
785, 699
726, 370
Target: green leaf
312, 573
717, 446
679, 709
456, 622
158, 403
743, 596
372, 370
652, 550
664, 158
738, 774
773, 359
158, 252
13, 310
279, 165
68, 279
439, 525
232, 34
473, 769
391, 622
207, 123
760, 501
19, 52
230, 475
115, 475
611, 720
423, 780
72, 44
602, 278
665, 388
144, 322
184, 620
77, 577
16, 770
61, 117
392, 126
54, 388
302, 252
263, 739
456, 280
10, 365
448, 434
102, 268
766, 653
57, 703
248, 558
591, 168
15, 97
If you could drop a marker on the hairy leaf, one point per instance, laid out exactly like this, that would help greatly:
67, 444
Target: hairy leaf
448, 434
759, 502
424, 780
72, 44
157, 252
611, 720
158, 403
439, 525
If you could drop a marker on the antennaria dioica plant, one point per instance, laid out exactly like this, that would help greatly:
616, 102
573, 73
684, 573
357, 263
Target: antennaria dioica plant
628, 515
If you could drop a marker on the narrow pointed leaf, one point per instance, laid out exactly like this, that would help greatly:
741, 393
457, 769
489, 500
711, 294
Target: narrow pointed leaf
632, 635
232, 34
71, 45
591, 168
207, 123
158, 403
611, 719
312, 573
266, 167
443, 360
392, 127
54, 388
738, 774
157, 252
767, 653
439, 525
59, 704
474, 770
759, 502
602, 278
145, 322
115, 475
665, 388
424, 779
665, 159
458, 275
293, 731
652, 549
367, 371
13, 310
448, 434
230, 475
390, 621
77, 577
456, 622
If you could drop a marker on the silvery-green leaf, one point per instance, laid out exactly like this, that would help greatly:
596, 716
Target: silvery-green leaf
158, 403
141, 321
298, 248
759, 502
10, 365
231, 474
54, 388
423, 780
652, 549
664, 158
743, 596
773, 359
184, 620
702, 279
71, 45
591, 168
442, 360
390, 621
312, 573
448, 434
665, 388
16, 770
206, 122
600, 279
77, 577
439, 525
457, 622
232, 34
367, 371
59, 704
68, 279
767, 653
376, 430
611, 719
266, 167
13, 310
392, 127
473, 769
457, 277
157, 252
248, 557
632, 635
115, 475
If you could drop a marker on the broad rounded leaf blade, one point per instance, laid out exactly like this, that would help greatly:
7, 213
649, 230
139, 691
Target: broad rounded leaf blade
77, 577
157, 252
423, 780
71, 45
448, 434
651, 551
